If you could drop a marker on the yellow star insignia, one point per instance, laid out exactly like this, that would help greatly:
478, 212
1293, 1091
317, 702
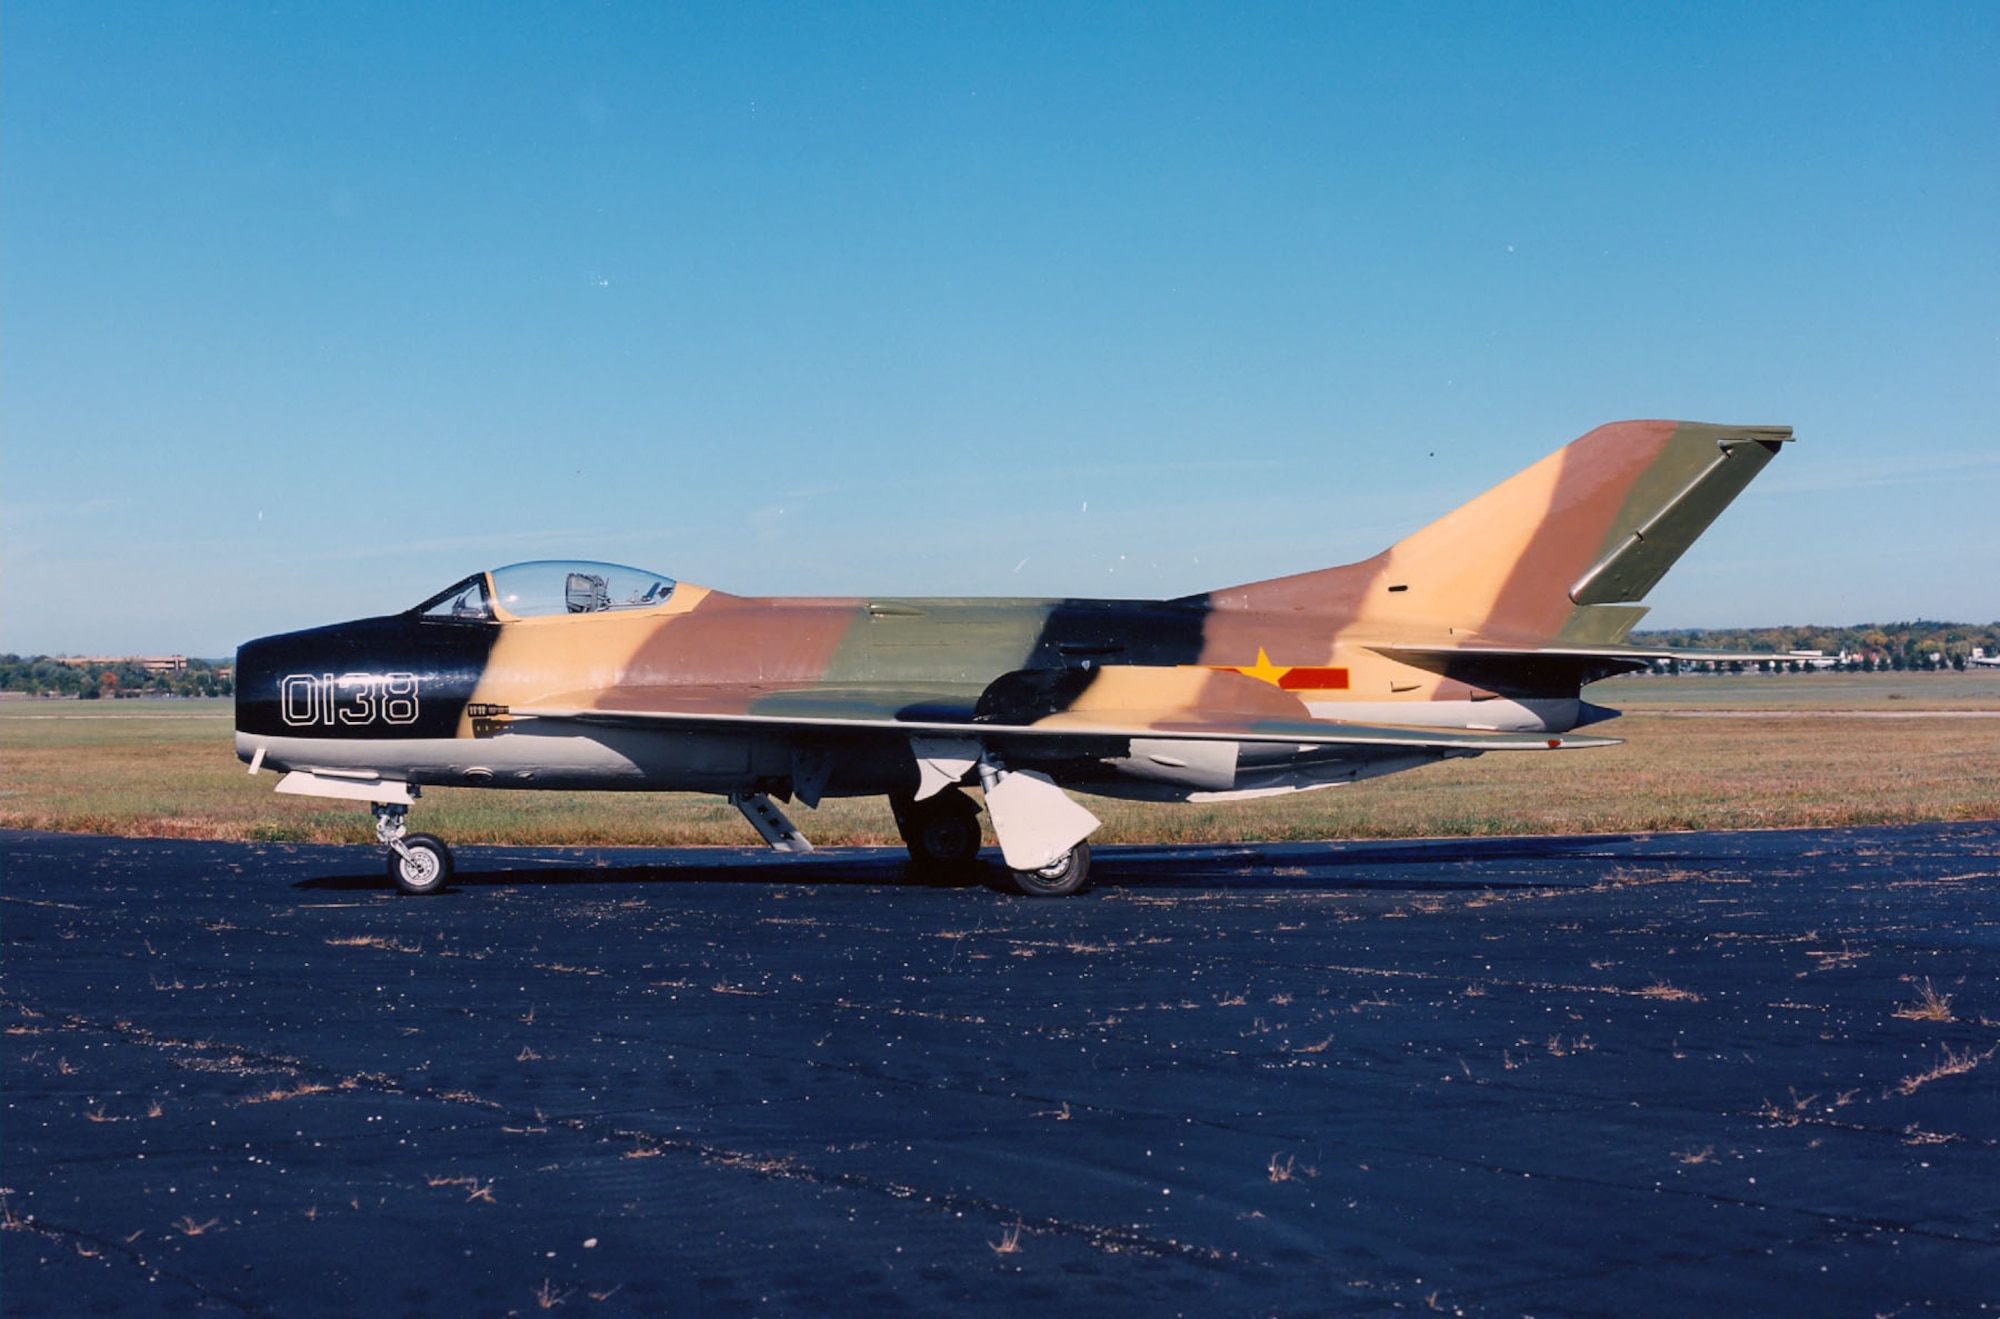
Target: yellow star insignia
1263, 670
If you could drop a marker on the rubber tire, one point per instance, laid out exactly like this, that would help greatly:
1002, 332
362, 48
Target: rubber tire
941, 833
431, 871
1066, 878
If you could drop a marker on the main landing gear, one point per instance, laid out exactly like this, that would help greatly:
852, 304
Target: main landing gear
942, 833
419, 863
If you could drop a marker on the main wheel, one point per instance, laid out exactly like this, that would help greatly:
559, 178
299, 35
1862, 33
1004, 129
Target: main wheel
1069, 874
427, 868
942, 832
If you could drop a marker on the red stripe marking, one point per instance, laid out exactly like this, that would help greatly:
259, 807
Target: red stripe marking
1314, 680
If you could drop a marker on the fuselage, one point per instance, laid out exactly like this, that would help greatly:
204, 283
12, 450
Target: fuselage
430, 698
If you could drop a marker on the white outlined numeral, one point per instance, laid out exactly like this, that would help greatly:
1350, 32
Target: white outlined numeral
298, 699
308, 700
356, 690
399, 698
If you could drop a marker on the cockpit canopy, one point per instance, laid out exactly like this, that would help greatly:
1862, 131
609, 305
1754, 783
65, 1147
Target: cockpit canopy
548, 586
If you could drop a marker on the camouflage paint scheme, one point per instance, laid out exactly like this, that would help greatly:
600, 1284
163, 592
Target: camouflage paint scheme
1475, 634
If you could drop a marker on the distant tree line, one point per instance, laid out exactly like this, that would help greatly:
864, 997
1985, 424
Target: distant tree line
1868, 647
38, 675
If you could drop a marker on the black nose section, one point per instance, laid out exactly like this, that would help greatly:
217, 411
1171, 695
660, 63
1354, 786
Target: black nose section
397, 677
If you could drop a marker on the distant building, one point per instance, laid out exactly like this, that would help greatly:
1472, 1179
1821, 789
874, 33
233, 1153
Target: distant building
150, 663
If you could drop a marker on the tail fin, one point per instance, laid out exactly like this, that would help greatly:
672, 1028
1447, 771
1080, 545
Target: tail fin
1561, 551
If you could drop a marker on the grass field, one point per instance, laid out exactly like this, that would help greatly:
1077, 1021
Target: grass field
1889, 692
1806, 750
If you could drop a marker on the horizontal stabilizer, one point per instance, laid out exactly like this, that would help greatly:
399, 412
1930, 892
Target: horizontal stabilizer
1534, 670
1530, 671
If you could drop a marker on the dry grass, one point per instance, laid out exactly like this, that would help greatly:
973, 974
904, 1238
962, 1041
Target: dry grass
474, 1188
373, 941
279, 1094
1930, 1005
1953, 1063
1286, 1169
769, 1165
1971, 690
169, 770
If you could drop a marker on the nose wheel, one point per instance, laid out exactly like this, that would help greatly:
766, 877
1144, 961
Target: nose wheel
419, 863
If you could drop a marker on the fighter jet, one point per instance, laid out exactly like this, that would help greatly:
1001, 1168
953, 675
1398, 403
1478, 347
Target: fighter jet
1475, 634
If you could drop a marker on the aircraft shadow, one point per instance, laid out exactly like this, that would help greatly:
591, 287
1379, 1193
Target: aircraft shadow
1470, 863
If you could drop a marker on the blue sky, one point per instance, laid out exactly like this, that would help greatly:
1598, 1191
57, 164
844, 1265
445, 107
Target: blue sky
308, 310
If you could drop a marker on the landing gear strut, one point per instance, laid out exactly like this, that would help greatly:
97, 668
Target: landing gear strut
419, 863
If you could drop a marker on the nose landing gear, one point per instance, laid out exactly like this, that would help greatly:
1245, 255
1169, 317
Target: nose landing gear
419, 863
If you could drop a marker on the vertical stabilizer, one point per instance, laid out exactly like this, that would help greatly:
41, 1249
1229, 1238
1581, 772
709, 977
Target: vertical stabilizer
1563, 550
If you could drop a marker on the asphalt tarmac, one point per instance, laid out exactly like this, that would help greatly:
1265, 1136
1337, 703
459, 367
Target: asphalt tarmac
1668, 1074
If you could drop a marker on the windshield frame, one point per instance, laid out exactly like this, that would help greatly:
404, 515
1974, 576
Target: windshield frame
481, 582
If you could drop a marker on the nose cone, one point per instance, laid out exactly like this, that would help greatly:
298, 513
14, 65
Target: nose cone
377, 678
259, 669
